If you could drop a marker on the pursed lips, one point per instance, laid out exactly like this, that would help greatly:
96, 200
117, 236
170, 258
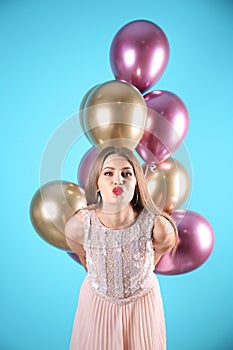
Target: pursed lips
117, 190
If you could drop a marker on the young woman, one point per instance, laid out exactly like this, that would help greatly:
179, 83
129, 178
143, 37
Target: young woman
119, 238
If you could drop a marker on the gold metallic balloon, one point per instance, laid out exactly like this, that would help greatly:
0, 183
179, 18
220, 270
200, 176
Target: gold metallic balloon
51, 206
168, 184
82, 105
115, 114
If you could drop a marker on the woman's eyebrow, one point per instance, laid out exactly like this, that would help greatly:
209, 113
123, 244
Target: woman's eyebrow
109, 167
112, 168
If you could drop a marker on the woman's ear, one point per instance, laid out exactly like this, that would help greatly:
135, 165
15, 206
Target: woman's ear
98, 196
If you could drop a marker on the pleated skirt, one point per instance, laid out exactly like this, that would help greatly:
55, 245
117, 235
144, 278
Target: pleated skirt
100, 324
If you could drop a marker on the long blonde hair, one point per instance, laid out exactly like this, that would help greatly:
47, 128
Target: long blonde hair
141, 199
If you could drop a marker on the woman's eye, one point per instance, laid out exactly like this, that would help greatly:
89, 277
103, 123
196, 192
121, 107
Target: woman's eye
108, 173
127, 174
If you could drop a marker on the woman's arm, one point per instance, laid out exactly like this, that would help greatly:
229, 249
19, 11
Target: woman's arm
164, 238
74, 232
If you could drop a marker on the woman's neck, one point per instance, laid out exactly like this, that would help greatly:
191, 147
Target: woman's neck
116, 218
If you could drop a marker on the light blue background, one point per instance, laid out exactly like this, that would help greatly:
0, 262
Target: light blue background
51, 54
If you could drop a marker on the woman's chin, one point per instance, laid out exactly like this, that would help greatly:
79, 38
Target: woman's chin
116, 203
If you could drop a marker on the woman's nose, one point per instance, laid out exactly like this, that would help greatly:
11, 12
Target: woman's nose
118, 180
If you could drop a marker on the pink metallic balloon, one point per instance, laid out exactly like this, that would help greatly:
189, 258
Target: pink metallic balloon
196, 241
139, 54
166, 126
85, 165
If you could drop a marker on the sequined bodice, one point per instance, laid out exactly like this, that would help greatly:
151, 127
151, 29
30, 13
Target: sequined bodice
120, 263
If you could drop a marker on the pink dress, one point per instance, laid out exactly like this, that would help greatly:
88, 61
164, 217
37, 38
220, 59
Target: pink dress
120, 305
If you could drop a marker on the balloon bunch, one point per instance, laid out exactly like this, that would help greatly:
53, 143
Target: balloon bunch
153, 125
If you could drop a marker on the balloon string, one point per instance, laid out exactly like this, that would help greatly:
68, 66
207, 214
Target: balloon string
146, 170
151, 167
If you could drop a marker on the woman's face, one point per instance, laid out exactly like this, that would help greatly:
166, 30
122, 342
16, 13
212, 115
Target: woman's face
117, 181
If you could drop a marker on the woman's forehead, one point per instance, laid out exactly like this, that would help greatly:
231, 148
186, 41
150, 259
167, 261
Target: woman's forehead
116, 159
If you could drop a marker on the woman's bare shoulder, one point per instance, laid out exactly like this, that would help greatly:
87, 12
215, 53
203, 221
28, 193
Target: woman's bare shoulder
163, 232
74, 228
74, 232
